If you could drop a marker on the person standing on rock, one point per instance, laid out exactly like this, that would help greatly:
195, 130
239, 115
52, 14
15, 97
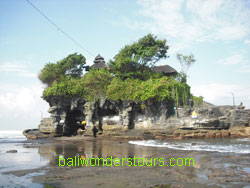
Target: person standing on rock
95, 130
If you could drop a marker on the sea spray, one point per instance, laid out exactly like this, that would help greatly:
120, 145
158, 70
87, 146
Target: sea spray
230, 147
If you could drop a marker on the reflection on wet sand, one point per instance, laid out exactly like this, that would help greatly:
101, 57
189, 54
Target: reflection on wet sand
211, 169
94, 149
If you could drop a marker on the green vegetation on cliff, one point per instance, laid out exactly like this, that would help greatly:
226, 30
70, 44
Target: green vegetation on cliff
71, 66
135, 60
129, 76
154, 88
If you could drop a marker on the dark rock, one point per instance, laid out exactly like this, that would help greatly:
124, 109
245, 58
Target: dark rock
239, 117
11, 151
184, 112
34, 134
123, 118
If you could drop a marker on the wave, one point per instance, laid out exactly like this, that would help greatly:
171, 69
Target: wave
11, 136
197, 146
244, 140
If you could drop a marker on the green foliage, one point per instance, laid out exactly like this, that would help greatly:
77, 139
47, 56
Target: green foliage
185, 61
91, 86
95, 83
70, 66
181, 93
49, 73
67, 87
198, 101
99, 83
140, 91
135, 60
158, 89
130, 77
49, 186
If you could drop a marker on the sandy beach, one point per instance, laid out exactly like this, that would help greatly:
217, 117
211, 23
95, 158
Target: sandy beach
210, 169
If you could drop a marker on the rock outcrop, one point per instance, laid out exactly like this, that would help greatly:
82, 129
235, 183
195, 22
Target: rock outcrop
155, 119
46, 126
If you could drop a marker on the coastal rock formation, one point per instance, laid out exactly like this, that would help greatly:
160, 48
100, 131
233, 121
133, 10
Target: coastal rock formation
33, 134
46, 126
153, 119
65, 113
11, 151
239, 117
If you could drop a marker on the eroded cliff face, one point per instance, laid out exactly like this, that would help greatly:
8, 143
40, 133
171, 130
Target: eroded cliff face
158, 119
67, 113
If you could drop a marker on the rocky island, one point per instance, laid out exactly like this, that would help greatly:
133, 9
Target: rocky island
131, 97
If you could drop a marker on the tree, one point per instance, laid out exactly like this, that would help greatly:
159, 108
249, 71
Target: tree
49, 74
95, 83
135, 60
185, 62
157, 89
130, 77
66, 87
71, 66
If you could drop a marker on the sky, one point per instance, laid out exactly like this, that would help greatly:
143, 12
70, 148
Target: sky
216, 32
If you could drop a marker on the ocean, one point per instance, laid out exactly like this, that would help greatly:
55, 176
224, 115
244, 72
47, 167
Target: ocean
27, 157
214, 157
11, 136
241, 146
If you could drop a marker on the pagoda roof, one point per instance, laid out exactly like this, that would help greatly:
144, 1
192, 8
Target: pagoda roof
166, 69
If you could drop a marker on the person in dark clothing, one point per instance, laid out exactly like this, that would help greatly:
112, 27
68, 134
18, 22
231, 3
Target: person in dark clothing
83, 125
95, 130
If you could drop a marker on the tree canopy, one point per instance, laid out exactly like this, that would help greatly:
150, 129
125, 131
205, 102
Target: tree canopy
135, 60
71, 66
185, 61
129, 76
95, 83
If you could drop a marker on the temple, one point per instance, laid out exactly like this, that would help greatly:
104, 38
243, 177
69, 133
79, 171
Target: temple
99, 62
155, 118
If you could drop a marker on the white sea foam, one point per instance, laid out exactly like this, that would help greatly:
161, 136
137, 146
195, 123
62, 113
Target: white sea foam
244, 140
197, 146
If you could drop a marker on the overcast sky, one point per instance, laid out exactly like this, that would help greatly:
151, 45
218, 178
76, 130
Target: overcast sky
217, 32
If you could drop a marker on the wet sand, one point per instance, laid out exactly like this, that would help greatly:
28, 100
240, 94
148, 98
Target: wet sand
211, 169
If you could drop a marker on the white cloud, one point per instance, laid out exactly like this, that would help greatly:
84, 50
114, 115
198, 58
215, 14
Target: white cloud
232, 60
197, 20
212, 91
19, 68
221, 94
21, 107
239, 60
176, 47
20, 101
231, 32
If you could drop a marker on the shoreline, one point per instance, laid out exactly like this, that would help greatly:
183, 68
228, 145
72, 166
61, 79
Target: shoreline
209, 169
159, 134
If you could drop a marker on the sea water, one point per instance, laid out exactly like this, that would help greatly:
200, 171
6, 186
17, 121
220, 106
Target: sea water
11, 136
227, 156
27, 157
241, 146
